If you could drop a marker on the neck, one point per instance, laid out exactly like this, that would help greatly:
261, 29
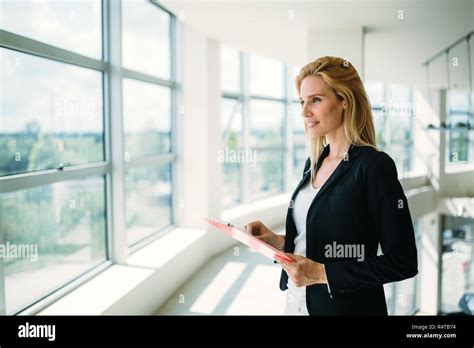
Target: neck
338, 142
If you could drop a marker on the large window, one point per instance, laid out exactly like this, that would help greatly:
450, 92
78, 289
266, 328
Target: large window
86, 154
402, 297
457, 265
146, 44
300, 153
231, 110
55, 121
393, 111
62, 228
231, 126
148, 200
71, 25
146, 119
460, 120
267, 140
254, 125
147, 114
266, 77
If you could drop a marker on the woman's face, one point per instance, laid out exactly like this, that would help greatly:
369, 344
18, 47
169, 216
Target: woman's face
322, 110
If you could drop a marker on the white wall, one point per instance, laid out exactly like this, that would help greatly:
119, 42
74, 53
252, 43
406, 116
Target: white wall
199, 122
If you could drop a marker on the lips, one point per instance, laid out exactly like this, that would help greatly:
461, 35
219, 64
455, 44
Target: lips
312, 124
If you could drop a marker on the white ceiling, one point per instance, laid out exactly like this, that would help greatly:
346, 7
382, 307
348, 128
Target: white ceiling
320, 14
280, 28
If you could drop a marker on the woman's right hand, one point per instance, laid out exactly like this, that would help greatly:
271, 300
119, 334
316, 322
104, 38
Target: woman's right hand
259, 230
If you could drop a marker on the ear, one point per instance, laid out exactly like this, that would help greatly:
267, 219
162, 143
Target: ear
344, 103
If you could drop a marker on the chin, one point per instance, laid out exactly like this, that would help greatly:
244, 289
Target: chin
316, 133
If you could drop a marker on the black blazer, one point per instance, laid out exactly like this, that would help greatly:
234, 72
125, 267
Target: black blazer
361, 204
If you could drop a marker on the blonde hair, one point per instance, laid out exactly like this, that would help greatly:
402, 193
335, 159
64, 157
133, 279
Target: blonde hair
343, 79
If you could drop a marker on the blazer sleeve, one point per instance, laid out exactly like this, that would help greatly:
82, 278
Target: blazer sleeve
389, 213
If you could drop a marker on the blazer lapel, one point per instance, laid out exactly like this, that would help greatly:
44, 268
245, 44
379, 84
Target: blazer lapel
307, 175
340, 170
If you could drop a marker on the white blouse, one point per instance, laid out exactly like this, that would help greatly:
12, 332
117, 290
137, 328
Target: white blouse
296, 297
300, 211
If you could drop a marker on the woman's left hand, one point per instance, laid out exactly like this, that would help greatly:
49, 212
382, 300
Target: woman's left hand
303, 271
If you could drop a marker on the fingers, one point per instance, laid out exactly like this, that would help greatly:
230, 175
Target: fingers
285, 263
294, 275
294, 257
254, 228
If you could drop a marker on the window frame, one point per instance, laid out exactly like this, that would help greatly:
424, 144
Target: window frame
245, 97
463, 134
114, 166
387, 141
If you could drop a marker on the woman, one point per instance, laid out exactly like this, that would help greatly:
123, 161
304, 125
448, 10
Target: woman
348, 202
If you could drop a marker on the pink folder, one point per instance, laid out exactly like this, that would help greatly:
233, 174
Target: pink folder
249, 240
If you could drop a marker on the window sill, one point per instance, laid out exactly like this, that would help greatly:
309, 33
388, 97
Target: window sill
156, 271
413, 180
271, 211
116, 289
459, 168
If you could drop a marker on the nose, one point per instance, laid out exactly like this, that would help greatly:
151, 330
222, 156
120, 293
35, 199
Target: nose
306, 112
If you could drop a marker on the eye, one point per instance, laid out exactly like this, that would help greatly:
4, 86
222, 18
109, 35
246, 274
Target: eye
316, 99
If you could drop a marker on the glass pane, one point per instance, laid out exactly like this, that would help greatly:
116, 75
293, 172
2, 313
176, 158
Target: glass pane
231, 183
388, 289
471, 144
376, 93
401, 154
399, 93
459, 119
438, 72
406, 297
457, 276
267, 173
459, 67
458, 145
472, 64
293, 93
230, 65
147, 119
399, 105
458, 101
231, 123
71, 25
266, 123
298, 124
400, 128
55, 121
61, 230
299, 158
146, 44
230, 154
148, 201
379, 125
266, 77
